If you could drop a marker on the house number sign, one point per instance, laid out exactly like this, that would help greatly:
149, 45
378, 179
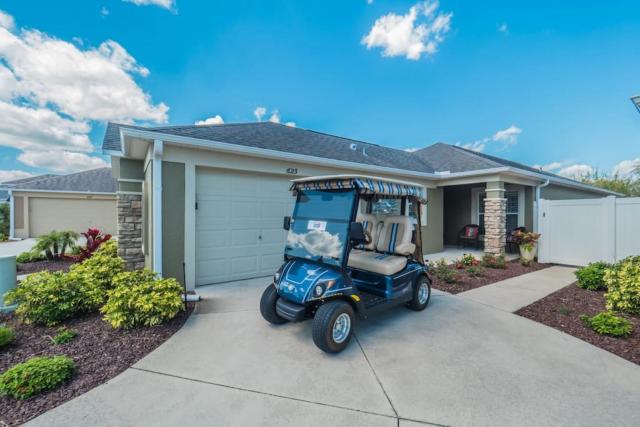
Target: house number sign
292, 171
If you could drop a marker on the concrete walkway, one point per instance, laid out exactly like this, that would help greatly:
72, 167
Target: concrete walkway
520, 291
16, 247
457, 363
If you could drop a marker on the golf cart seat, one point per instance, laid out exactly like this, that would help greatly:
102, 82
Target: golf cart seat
393, 246
369, 223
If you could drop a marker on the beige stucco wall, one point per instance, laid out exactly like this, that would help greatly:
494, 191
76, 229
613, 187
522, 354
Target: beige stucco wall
38, 213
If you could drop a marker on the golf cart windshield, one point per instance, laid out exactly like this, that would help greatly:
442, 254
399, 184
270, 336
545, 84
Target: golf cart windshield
320, 225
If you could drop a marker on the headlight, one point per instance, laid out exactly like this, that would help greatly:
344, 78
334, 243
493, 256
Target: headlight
318, 291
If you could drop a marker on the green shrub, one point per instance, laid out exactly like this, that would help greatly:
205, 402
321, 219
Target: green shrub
49, 298
36, 375
30, 256
591, 277
493, 261
623, 284
443, 272
6, 336
64, 336
44, 298
606, 323
467, 260
475, 271
139, 298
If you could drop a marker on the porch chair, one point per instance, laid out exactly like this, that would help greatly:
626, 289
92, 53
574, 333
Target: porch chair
512, 241
469, 235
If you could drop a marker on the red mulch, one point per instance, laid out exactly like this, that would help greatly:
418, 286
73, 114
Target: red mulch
34, 267
562, 310
99, 352
467, 282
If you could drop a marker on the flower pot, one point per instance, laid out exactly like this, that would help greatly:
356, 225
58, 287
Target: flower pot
527, 252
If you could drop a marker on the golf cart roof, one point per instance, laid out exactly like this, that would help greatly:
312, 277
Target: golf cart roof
363, 184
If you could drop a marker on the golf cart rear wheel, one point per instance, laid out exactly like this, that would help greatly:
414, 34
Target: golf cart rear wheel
333, 326
268, 306
421, 295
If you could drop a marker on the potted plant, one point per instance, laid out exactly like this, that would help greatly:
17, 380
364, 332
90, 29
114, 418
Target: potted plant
527, 243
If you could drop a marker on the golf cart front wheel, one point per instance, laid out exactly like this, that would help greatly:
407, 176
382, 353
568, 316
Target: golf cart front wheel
421, 295
333, 326
268, 306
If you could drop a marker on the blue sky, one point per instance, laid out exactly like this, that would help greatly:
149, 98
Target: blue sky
531, 81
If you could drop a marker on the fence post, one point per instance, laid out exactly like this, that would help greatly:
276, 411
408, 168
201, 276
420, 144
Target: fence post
540, 225
609, 228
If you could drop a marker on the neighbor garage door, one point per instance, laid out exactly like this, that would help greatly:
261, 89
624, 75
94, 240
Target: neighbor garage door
48, 214
239, 231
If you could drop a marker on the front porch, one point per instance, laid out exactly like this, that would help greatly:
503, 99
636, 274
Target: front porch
452, 253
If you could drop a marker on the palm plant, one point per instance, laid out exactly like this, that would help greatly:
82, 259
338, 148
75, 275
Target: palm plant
55, 244
67, 239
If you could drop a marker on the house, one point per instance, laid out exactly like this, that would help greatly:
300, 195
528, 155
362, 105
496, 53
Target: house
206, 202
76, 202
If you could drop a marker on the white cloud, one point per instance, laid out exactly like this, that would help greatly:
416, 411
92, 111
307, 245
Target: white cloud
10, 175
259, 112
505, 137
369, 1
577, 171
411, 150
418, 32
104, 11
61, 161
503, 28
215, 120
6, 21
627, 168
550, 166
317, 243
291, 124
275, 117
167, 4
51, 92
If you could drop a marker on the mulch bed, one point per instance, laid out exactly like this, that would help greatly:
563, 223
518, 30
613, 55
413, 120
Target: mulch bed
491, 275
562, 310
99, 352
34, 267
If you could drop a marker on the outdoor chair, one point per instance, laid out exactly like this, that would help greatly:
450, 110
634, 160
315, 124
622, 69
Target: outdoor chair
512, 241
469, 235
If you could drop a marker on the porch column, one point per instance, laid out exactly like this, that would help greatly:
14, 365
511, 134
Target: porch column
130, 230
495, 218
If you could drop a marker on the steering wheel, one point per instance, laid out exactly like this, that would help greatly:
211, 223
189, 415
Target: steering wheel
367, 237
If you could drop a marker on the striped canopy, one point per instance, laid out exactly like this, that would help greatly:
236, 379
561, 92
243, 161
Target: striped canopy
364, 185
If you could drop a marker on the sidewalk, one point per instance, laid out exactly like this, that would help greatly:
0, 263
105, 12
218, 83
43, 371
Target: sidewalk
517, 292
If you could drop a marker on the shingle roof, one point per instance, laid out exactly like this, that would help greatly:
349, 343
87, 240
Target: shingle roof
4, 194
273, 136
92, 181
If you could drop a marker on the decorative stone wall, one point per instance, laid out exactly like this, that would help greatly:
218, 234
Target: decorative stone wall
130, 230
495, 224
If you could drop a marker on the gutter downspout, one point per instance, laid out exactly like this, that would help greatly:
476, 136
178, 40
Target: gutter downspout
535, 217
157, 205
12, 232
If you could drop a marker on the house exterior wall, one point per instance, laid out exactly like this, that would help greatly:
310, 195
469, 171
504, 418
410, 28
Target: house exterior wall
173, 213
432, 231
557, 192
529, 194
457, 212
37, 213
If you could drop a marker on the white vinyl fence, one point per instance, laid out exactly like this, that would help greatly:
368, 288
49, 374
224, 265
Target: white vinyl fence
576, 232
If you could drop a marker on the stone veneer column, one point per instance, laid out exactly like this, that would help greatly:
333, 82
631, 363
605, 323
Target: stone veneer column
495, 218
130, 230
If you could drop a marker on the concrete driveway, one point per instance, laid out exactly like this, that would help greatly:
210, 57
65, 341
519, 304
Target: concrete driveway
16, 247
460, 362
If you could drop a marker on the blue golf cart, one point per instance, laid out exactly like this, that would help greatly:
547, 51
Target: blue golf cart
353, 248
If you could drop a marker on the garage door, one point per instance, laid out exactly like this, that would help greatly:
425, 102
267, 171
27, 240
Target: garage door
239, 231
48, 214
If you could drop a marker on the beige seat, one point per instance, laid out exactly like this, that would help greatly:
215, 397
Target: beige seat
395, 239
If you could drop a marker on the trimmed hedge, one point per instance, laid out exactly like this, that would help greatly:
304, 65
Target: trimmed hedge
623, 284
591, 277
36, 375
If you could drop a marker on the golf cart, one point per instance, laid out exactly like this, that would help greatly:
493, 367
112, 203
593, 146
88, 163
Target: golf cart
353, 247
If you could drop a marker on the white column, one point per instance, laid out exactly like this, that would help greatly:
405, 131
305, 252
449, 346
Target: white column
190, 225
157, 206
12, 228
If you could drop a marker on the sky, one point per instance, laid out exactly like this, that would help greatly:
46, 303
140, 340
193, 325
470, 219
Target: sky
538, 82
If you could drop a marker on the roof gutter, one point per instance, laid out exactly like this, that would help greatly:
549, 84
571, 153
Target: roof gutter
303, 158
87, 193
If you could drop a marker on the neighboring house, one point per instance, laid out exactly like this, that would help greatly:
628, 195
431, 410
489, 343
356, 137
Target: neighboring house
76, 202
6, 185
208, 201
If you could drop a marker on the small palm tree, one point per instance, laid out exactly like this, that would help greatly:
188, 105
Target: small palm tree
45, 243
67, 239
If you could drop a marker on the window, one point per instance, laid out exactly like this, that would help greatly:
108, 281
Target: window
512, 210
386, 207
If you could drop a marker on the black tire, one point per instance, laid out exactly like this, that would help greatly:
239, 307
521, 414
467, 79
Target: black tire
324, 321
268, 306
415, 303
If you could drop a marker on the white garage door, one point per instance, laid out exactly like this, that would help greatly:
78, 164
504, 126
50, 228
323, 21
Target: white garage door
48, 214
239, 231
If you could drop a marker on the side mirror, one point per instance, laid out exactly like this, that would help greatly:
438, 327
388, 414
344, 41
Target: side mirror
356, 233
286, 224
